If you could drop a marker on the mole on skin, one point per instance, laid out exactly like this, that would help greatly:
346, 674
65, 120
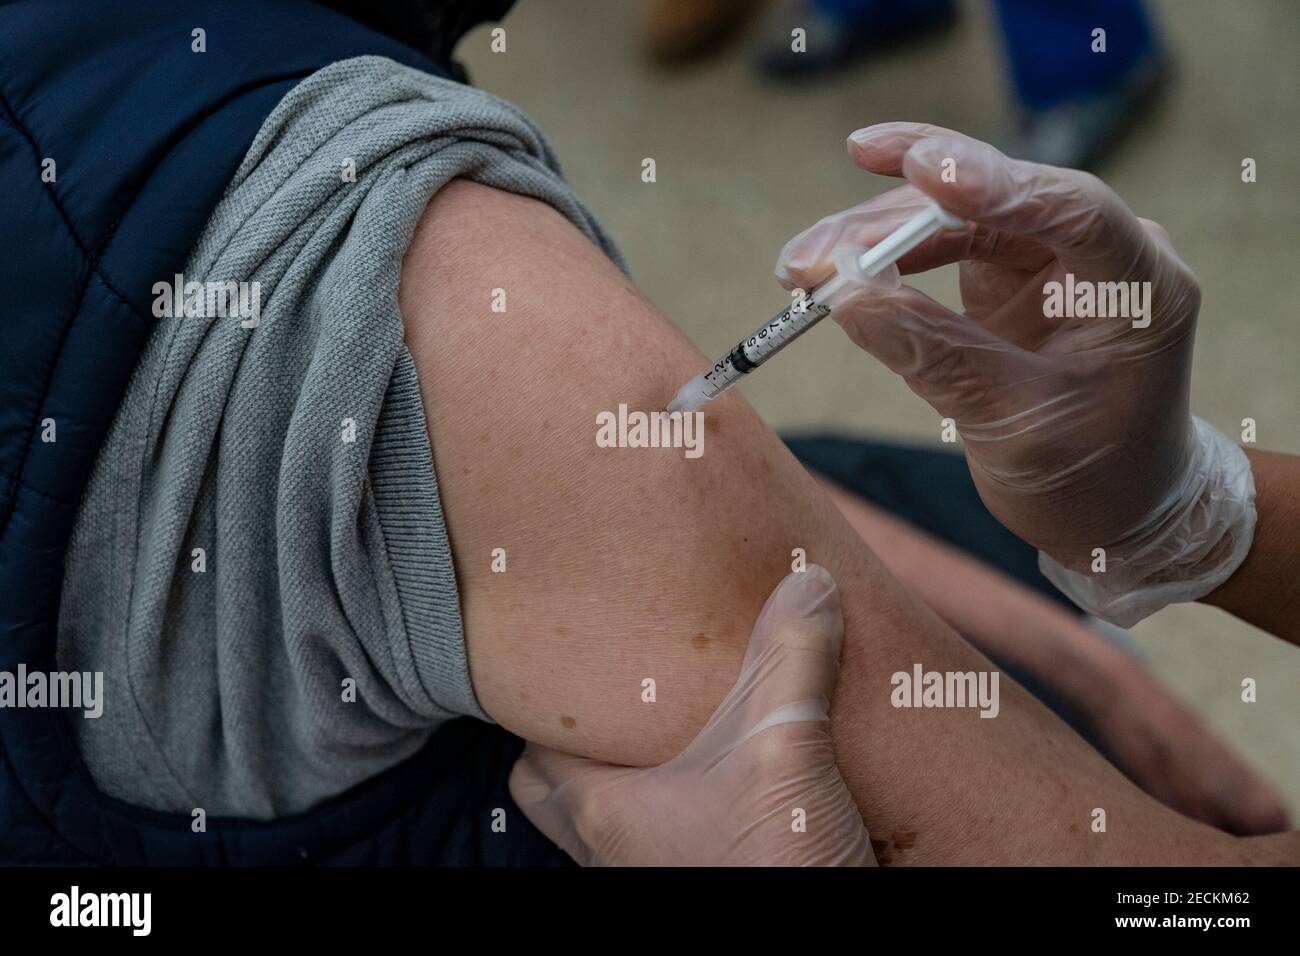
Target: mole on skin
884, 849
568, 723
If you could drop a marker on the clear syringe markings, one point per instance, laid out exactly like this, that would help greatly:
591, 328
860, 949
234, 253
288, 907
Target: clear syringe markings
808, 310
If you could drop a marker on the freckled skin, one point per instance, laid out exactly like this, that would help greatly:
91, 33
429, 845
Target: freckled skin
635, 551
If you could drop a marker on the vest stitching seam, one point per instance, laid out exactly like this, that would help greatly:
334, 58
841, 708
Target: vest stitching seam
91, 261
36, 491
22, 792
11, 500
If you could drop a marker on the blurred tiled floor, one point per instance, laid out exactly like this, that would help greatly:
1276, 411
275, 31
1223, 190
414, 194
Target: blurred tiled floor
744, 164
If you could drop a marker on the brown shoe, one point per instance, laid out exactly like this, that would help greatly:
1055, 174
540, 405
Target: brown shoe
680, 30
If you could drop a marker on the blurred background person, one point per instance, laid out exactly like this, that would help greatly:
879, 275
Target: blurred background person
1075, 90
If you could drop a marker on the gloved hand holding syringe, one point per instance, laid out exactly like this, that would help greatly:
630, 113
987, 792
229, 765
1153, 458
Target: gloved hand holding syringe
1076, 426
875, 267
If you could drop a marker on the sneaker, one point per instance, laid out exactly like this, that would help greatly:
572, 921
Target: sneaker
1076, 133
834, 42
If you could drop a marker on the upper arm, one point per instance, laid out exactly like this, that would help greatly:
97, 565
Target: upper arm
626, 563
621, 563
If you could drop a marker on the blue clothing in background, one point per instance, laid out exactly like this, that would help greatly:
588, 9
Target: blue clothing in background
1048, 42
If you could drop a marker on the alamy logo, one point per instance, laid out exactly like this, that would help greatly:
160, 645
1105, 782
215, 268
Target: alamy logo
208, 300
626, 429
1083, 299
64, 689
923, 688
75, 908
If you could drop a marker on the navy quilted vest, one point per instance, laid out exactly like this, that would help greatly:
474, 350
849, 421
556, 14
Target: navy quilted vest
144, 134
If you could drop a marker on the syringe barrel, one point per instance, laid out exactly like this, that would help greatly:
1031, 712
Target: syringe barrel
805, 312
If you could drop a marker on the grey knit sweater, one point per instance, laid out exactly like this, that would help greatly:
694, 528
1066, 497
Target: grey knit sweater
260, 566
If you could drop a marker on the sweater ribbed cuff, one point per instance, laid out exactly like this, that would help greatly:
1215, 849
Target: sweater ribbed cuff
406, 498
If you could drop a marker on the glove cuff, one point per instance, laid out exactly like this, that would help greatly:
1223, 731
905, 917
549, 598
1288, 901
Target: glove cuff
1196, 542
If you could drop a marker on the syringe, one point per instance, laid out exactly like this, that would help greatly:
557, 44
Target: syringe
804, 313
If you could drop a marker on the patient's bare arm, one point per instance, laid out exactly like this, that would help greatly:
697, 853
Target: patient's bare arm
1146, 731
625, 564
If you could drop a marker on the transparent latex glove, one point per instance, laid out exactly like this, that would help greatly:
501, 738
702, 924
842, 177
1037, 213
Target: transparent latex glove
757, 787
1076, 428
